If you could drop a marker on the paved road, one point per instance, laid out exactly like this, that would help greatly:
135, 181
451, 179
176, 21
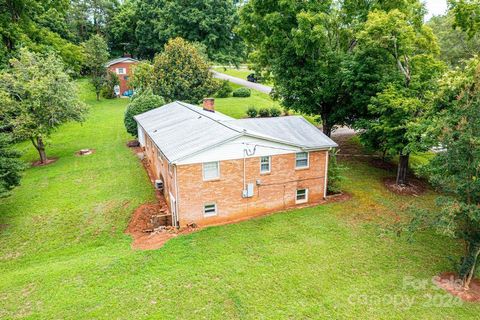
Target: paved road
242, 82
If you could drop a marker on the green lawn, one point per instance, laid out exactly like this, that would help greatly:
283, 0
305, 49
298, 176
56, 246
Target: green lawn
241, 72
63, 253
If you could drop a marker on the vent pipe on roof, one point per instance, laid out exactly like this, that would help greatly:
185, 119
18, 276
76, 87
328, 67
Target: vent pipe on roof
209, 104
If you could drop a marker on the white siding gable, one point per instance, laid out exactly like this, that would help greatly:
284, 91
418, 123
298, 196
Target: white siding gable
235, 150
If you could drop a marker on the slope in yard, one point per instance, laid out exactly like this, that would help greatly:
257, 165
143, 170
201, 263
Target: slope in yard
64, 254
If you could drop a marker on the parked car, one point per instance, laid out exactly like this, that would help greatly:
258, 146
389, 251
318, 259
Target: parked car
252, 78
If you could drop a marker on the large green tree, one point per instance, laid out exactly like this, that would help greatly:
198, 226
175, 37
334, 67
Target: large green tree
38, 25
96, 56
182, 73
454, 123
209, 22
467, 15
303, 46
406, 53
456, 46
37, 96
10, 166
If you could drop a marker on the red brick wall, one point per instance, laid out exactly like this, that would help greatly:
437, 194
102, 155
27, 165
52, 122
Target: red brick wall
128, 68
277, 190
160, 168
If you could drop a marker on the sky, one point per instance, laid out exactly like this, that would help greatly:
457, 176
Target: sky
435, 7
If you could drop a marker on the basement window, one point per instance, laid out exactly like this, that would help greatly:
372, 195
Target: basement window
211, 170
301, 196
210, 209
301, 160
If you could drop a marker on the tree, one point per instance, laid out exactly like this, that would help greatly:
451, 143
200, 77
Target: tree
10, 166
408, 52
89, 17
303, 45
456, 47
454, 123
467, 15
142, 76
96, 56
108, 89
121, 28
181, 73
37, 96
140, 103
209, 22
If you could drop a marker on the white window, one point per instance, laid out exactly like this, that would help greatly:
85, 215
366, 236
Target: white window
209, 209
211, 170
121, 71
301, 160
265, 164
301, 196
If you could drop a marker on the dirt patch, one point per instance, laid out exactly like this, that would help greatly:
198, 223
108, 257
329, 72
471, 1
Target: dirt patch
133, 144
38, 163
339, 197
451, 283
85, 152
414, 187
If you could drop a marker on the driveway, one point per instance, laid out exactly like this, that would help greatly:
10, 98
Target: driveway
242, 82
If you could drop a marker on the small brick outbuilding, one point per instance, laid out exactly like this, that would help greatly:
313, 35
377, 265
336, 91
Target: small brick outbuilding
122, 67
217, 169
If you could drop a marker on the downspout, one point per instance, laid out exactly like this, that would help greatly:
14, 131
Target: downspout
326, 175
176, 223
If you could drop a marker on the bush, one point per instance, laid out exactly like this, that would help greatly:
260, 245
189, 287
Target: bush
242, 93
252, 112
111, 81
264, 112
224, 90
140, 103
334, 173
274, 112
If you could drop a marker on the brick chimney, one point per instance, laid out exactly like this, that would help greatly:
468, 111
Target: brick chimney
209, 104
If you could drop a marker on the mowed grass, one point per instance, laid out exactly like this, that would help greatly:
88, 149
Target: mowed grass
63, 253
241, 72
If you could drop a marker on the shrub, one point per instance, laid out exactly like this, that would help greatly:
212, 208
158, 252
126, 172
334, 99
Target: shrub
274, 112
111, 81
252, 112
140, 103
264, 112
334, 173
224, 90
242, 93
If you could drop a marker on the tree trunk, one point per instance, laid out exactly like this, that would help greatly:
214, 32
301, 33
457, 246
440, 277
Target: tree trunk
326, 127
40, 146
98, 95
469, 265
402, 171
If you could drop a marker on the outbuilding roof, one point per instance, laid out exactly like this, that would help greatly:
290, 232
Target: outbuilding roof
120, 60
180, 129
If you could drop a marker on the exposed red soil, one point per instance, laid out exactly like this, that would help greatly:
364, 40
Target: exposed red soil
85, 152
38, 163
450, 282
414, 187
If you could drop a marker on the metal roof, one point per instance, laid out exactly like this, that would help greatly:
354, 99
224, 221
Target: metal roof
119, 60
294, 129
180, 129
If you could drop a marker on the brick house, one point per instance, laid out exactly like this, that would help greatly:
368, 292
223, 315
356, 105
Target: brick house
217, 169
122, 67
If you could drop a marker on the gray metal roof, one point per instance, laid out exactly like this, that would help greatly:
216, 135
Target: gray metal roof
294, 129
180, 129
118, 60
